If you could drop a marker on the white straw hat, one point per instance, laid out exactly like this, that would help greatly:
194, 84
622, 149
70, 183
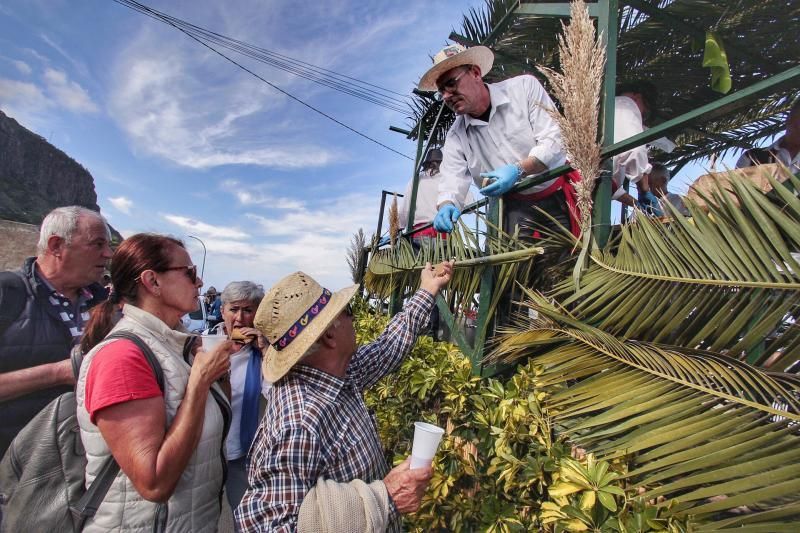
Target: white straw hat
292, 316
454, 56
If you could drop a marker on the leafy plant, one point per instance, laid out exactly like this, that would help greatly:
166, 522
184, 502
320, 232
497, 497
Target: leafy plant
501, 465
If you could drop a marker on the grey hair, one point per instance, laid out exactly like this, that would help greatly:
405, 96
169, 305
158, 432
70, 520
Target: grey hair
314, 348
62, 222
248, 291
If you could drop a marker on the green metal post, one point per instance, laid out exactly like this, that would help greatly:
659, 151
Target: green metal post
487, 288
607, 25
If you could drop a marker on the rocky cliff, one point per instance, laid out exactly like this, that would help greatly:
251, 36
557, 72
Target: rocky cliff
36, 177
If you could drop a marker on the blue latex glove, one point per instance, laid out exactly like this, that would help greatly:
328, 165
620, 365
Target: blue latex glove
505, 178
445, 218
384, 241
649, 204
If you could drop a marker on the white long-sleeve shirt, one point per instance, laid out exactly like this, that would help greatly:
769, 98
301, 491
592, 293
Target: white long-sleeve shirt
519, 127
427, 193
632, 164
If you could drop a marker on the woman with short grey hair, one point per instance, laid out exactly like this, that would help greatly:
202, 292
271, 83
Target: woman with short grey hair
240, 301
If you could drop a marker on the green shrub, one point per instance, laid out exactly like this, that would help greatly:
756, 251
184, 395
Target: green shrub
501, 466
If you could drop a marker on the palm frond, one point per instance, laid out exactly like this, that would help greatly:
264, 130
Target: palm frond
701, 432
725, 279
396, 269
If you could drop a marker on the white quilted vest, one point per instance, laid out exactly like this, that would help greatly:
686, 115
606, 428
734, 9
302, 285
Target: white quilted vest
195, 504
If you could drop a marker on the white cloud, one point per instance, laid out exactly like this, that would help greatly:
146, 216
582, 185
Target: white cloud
32, 104
22, 67
79, 66
342, 216
206, 230
23, 101
121, 204
161, 97
20, 92
67, 92
253, 195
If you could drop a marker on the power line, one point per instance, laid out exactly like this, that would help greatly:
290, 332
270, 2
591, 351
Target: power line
360, 89
154, 14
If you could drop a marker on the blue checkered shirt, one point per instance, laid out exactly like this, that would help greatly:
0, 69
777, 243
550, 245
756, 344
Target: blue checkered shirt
73, 315
317, 425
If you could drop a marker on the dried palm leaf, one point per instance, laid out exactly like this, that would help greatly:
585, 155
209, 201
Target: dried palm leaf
583, 60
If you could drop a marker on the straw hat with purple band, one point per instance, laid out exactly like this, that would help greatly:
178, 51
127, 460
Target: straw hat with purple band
292, 316
454, 56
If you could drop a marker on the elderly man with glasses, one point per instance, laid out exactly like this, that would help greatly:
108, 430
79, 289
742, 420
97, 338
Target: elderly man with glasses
317, 426
503, 132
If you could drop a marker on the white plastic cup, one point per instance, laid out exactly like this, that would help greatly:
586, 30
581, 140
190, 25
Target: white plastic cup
426, 441
212, 341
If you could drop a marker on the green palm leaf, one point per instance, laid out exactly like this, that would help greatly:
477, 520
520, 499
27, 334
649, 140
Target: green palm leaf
724, 279
396, 269
704, 434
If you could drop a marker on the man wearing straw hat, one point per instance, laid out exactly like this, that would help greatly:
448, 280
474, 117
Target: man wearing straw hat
316, 424
502, 133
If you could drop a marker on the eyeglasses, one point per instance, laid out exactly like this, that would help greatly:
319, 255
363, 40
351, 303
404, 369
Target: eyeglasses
191, 271
450, 85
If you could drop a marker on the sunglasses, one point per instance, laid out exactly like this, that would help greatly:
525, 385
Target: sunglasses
450, 85
191, 271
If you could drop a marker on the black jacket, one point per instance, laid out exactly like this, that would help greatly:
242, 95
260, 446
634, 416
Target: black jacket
37, 336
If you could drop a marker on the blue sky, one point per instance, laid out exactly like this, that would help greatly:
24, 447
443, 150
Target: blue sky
180, 141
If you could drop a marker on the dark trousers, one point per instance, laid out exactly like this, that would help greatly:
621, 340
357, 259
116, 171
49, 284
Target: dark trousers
521, 212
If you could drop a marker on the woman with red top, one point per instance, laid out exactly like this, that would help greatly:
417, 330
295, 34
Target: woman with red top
168, 444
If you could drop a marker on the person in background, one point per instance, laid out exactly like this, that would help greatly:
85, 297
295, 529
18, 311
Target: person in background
659, 178
425, 206
785, 150
43, 310
168, 444
502, 133
316, 424
634, 104
213, 307
240, 301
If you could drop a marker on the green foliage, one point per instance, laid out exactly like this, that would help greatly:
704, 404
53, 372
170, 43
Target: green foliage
500, 460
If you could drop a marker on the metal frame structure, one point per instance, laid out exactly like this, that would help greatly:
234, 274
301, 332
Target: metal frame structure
607, 14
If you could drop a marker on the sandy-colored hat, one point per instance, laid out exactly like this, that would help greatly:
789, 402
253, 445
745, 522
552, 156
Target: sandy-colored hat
292, 316
454, 56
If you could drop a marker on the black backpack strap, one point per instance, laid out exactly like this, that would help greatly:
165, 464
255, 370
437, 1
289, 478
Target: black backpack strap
13, 295
90, 501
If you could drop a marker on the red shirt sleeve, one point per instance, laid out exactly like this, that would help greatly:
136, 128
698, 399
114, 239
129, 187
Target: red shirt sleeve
118, 373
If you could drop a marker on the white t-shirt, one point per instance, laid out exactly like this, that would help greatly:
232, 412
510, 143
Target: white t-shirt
632, 164
238, 374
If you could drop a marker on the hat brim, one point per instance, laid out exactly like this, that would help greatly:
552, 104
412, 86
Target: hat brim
477, 55
277, 364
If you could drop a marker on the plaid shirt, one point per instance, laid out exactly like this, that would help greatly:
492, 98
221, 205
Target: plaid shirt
73, 315
317, 425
